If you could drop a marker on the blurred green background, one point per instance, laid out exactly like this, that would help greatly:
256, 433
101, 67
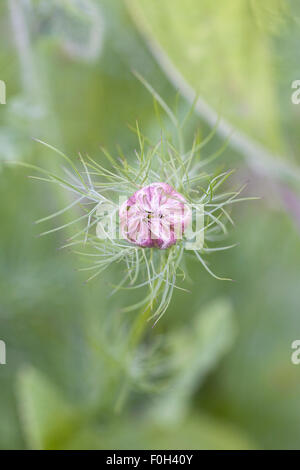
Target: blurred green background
216, 372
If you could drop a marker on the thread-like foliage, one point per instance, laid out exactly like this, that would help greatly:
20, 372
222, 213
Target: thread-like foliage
93, 185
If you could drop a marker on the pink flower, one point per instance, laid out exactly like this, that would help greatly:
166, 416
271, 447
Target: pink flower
154, 216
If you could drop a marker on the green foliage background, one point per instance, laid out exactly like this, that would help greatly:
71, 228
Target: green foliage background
216, 371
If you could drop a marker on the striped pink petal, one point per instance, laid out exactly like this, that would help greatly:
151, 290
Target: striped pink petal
154, 216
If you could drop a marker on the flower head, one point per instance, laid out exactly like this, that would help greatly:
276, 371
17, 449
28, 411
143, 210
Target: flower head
154, 216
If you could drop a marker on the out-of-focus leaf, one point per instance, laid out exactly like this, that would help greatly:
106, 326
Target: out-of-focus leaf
48, 421
258, 386
197, 431
77, 25
195, 351
224, 52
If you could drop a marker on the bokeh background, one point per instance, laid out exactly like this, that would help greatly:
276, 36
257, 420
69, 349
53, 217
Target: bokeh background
216, 372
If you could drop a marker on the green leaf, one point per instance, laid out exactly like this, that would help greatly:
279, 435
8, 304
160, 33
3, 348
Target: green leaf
195, 352
47, 420
224, 52
198, 431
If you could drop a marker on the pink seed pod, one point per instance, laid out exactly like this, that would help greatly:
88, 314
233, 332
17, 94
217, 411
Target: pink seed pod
154, 216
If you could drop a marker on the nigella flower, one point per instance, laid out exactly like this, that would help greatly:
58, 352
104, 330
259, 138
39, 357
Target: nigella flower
154, 216
170, 206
